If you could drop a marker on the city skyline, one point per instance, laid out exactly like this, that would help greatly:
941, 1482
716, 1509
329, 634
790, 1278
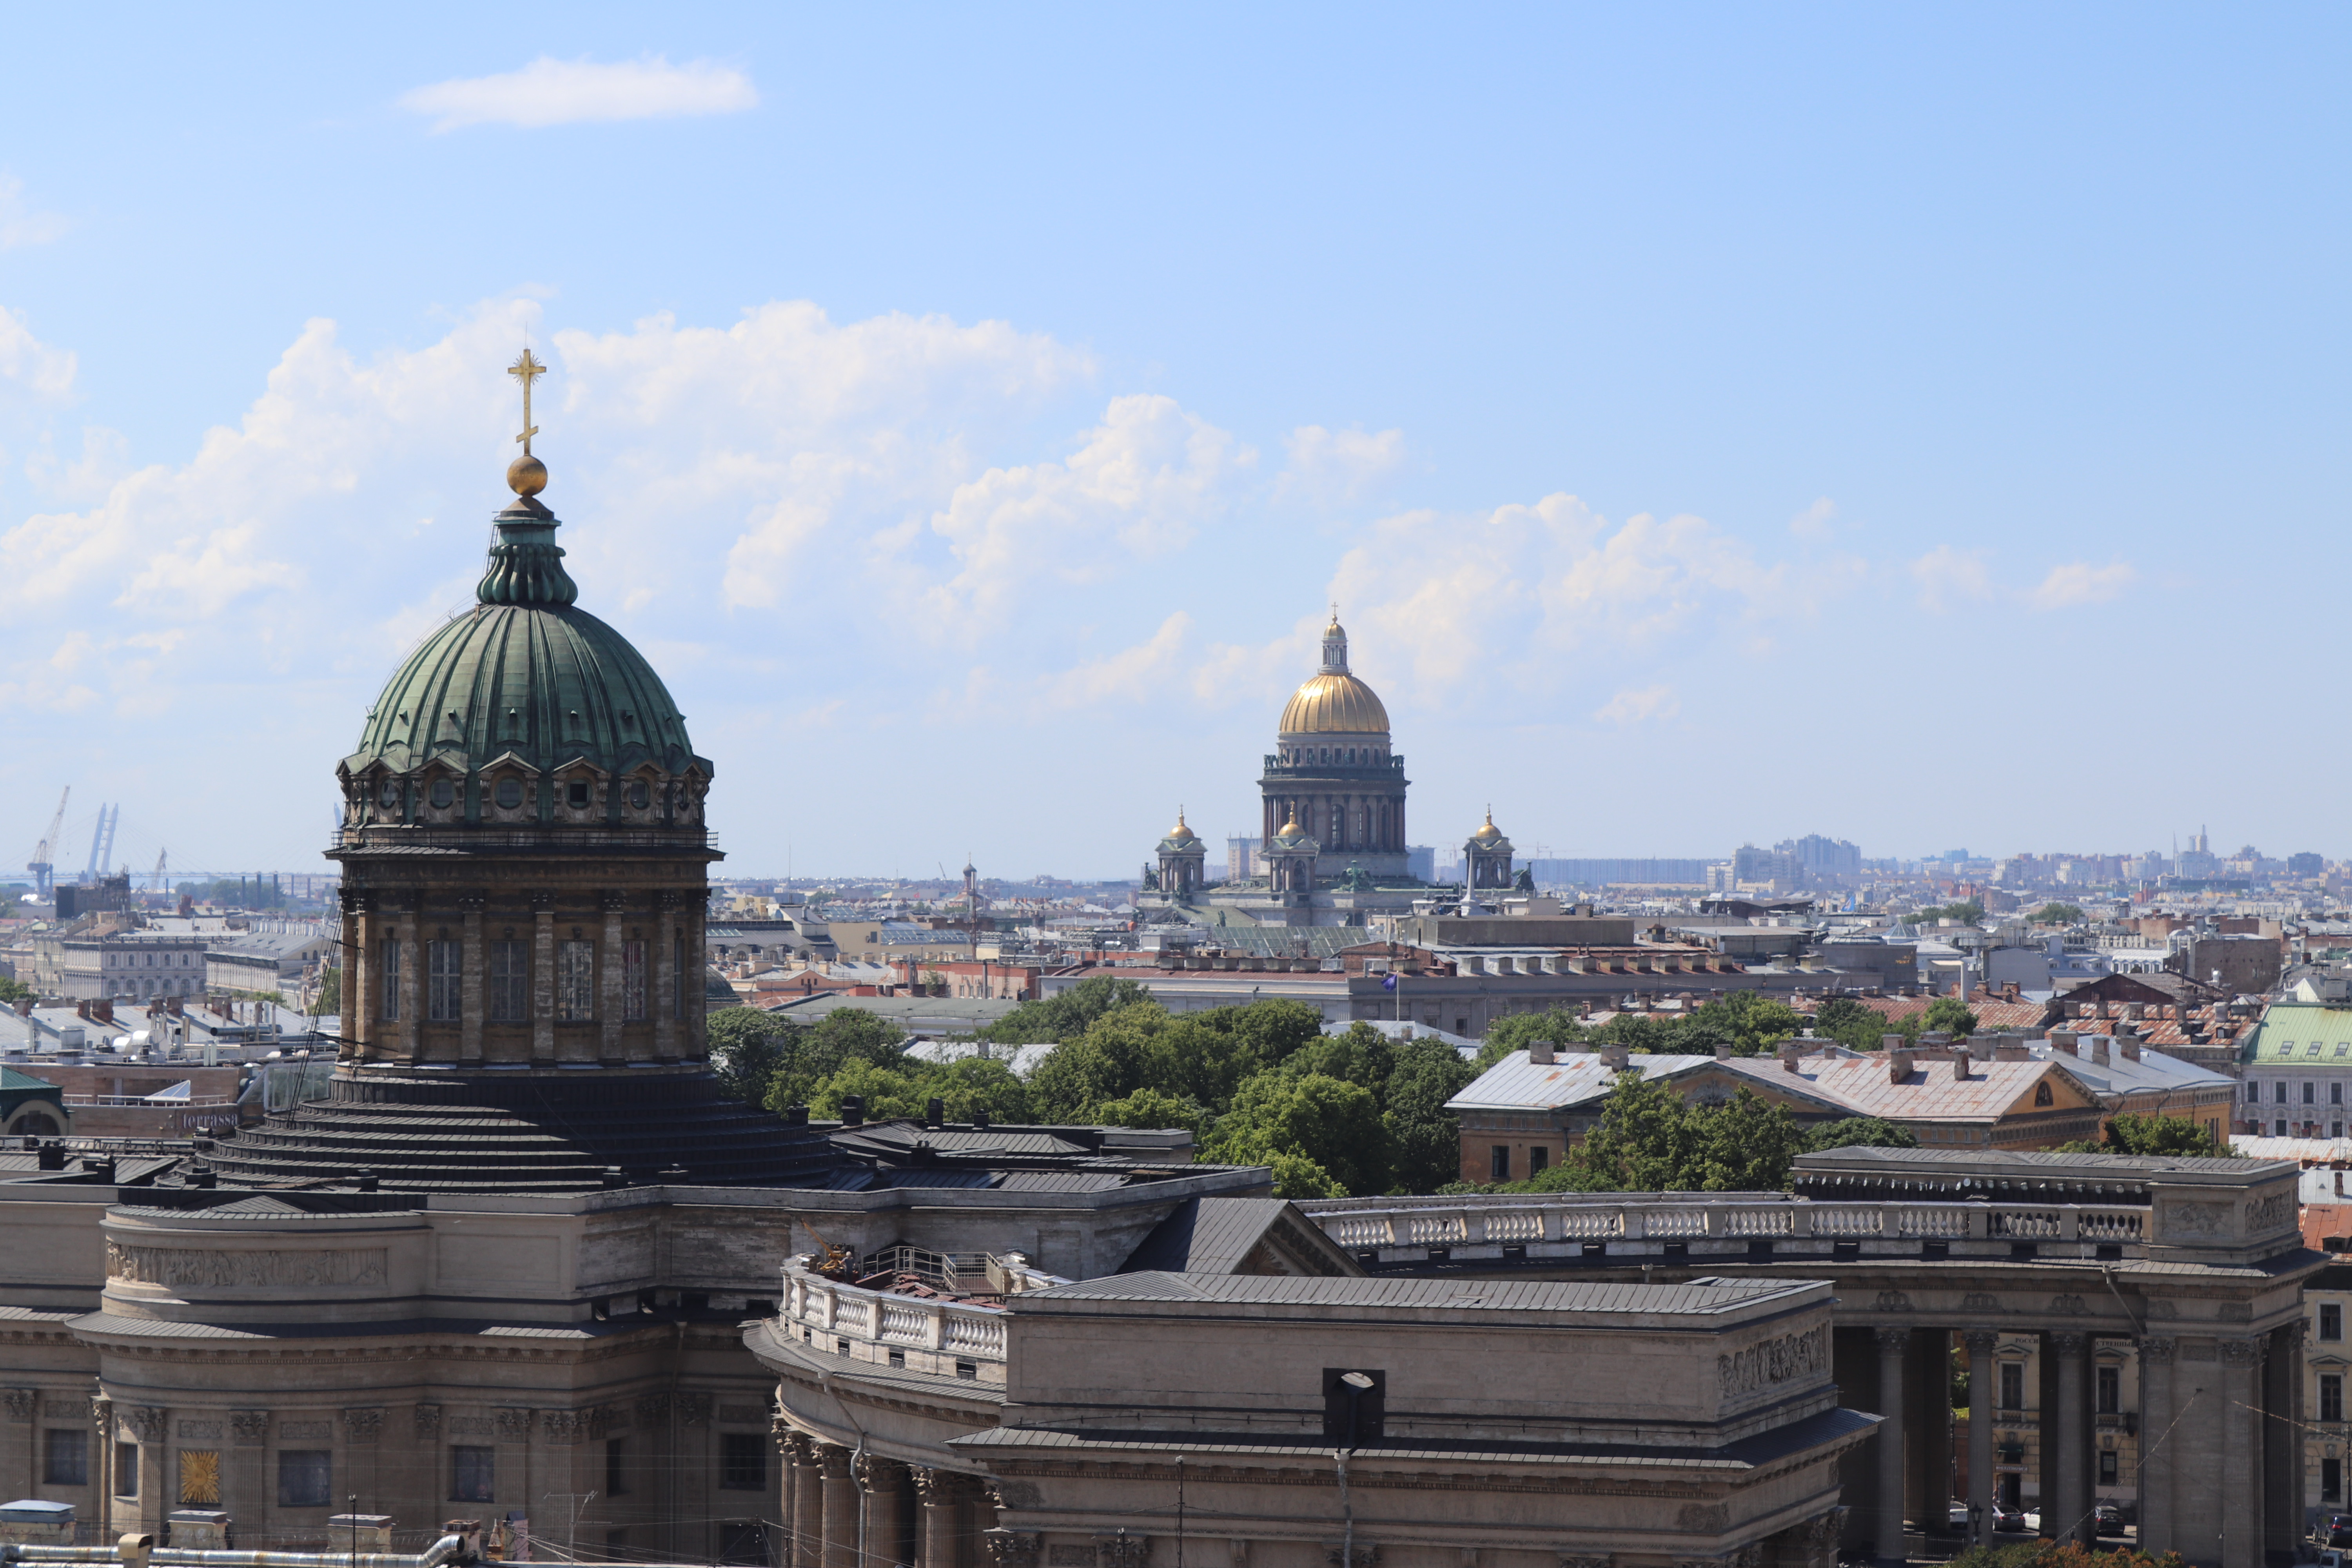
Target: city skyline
1660, 521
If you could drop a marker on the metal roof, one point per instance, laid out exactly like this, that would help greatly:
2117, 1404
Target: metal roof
1215, 1235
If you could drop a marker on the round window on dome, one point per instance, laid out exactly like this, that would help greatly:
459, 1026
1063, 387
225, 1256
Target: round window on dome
509, 793
387, 795
443, 794
641, 796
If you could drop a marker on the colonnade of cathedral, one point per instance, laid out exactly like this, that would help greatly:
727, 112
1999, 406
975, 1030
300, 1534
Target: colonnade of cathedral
843, 1509
1342, 820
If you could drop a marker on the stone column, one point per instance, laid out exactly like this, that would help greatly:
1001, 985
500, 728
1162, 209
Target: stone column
608, 979
2070, 1522
2282, 1460
1983, 1389
360, 1000
878, 1480
411, 975
542, 978
470, 992
2156, 1449
807, 1521
1892, 1344
840, 1508
661, 1004
102, 1464
2238, 1479
935, 1492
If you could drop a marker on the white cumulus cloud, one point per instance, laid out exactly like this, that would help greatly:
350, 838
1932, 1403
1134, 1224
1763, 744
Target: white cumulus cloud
32, 364
20, 222
1330, 467
565, 92
1950, 577
1635, 707
2080, 582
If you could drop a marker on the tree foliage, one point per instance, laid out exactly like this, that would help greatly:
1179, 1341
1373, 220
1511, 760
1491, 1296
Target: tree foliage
1750, 1023
1968, 912
2056, 914
1949, 1014
1067, 1016
2130, 1134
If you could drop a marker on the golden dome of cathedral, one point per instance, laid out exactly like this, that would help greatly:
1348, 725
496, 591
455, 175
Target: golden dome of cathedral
1488, 833
1332, 701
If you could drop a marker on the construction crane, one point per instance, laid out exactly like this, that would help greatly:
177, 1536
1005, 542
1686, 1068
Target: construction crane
44, 871
101, 842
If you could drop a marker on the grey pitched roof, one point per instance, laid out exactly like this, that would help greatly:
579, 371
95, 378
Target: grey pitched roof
1216, 1235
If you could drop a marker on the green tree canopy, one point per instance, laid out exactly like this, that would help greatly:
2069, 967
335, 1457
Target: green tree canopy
1651, 1139
1861, 1133
2131, 1134
1967, 911
1335, 1123
1950, 1016
1067, 1016
2058, 915
1425, 1138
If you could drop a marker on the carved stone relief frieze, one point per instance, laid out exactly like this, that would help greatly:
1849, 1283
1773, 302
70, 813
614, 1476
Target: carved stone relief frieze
303, 1431
1803, 1354
514, 1425
564, 1427
21, 1403
181, 1269
363, 1426
427, 1423
471, 1426
200, 1431
145, 1421
249, 1427
1013, 1548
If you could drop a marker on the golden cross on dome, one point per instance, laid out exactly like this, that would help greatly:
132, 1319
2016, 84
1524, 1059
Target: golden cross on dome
525, 370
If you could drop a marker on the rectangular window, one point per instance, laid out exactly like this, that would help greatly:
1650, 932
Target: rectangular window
2111, 1390
575, 980
473, 1475
2278, 1128
2012, 1386
742, 1462
65, 1460
1499, 1162
2253, 1093
304, 1478
617, 1466
2110, 1470
2336, 1092
2331, 1481
389, 1011
2331, 1320
633, 982
1538, 1156
2331, 1397
444, 969
126, 1469
509, 981
2311, 1094
2278, 1092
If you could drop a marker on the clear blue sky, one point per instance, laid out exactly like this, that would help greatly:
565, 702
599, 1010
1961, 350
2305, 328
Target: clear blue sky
1923, 425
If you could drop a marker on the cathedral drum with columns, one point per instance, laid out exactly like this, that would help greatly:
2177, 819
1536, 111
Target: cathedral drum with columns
1333, 774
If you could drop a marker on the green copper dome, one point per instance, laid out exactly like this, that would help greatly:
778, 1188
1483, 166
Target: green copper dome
523, 685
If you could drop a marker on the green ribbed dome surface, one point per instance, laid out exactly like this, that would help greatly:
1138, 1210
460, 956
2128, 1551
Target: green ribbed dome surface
526, 673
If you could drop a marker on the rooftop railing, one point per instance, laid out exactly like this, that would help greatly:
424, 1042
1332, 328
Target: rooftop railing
1570, 1223
550, 836
949, 1338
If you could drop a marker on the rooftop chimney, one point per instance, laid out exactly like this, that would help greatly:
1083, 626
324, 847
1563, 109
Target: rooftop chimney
2130, 1045
1892, 1042
853, 1110
1791, 1055
1723, 1053
1615, 1058
1898, 1065
1980, 1047
1541, 1053
2061, 1043
1960, 1062
2099, 1048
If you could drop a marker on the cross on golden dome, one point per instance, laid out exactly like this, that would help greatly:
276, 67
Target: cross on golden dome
527, 476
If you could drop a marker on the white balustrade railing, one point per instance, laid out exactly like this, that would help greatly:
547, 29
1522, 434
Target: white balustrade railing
884, 1318
1576, 1218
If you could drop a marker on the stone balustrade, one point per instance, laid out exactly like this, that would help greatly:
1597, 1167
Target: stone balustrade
949, 1338
1735, 1220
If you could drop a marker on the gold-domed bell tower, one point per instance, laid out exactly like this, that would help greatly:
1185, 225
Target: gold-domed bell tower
1488, 855
526, 867
1183, 861
1332, 773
